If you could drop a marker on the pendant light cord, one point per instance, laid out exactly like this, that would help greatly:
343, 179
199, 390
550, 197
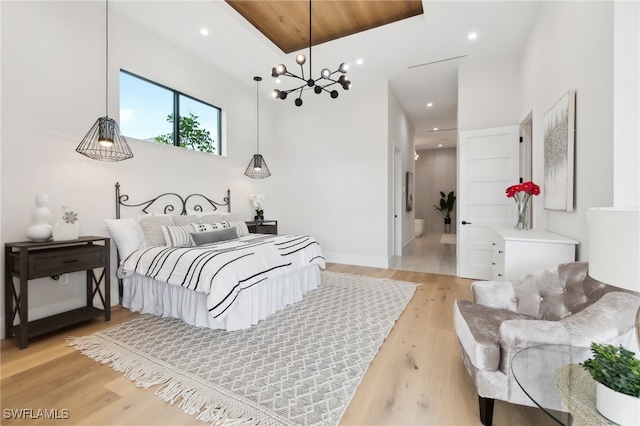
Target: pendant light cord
257, 118
310, 44
107, 58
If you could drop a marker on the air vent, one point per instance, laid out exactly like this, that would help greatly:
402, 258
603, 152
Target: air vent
438, 61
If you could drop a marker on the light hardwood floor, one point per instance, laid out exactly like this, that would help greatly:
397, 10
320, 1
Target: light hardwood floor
426, 254
417, 377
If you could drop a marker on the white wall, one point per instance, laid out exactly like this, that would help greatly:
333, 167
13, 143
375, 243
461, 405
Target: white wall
626, 104
571, 47
401, 137
488, 93
52, 93
333, 156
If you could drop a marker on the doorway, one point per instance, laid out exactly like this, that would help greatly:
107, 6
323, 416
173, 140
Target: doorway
433, 251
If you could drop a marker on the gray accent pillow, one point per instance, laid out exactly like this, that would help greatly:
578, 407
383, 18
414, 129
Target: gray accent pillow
209, 218
182, 220
215, 236
152, 229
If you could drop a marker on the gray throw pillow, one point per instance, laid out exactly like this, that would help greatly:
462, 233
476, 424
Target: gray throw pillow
152, 229
216, 236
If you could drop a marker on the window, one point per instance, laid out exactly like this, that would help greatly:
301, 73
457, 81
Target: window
147, 110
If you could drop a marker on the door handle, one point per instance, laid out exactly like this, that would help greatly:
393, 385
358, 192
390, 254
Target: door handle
464, 222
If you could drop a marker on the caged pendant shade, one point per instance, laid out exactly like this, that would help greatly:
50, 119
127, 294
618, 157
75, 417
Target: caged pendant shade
104, 141
257, 168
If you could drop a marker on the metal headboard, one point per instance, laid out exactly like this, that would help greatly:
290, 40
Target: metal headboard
174, 202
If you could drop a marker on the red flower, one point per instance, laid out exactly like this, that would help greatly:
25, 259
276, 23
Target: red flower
526, 187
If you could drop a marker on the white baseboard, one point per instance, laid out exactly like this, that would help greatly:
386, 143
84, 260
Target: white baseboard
350, 259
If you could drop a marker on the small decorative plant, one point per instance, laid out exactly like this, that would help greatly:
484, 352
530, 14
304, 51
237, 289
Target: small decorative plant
615, 367
446, 203
257, 200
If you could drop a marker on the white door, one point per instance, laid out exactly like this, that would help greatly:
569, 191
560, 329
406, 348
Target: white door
488, 163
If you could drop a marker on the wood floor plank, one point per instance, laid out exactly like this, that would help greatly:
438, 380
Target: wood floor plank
417, 377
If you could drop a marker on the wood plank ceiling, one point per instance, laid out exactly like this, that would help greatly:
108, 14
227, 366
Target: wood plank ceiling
286, 22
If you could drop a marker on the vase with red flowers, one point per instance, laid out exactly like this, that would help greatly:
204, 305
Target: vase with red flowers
522, 193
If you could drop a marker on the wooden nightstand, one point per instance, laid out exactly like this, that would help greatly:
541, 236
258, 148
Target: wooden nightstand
32, 260
266, 227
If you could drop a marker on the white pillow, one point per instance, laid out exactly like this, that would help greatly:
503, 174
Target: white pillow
181, 220
231, 217
241, 227
220, 225
180, 236
222, 215
210, 218
125, 234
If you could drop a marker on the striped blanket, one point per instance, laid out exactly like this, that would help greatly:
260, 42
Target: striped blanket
223, 270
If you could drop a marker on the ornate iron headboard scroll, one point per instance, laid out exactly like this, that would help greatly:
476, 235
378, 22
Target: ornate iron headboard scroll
175, 203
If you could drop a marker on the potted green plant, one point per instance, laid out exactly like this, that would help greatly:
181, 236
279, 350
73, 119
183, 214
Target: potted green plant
617, 374
446, 207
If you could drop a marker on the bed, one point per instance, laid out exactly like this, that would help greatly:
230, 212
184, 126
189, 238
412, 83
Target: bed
191, 258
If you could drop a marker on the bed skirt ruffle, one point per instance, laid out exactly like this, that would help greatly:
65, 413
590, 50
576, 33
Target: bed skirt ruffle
146, 295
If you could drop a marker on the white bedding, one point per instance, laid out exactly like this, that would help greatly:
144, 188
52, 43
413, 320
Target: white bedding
234, 284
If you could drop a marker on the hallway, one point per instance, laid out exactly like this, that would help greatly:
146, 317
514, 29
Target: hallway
428, 254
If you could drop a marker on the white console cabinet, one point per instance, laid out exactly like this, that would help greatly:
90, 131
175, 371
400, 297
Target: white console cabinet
517, 253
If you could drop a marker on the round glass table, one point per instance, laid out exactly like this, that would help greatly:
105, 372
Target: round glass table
534, 369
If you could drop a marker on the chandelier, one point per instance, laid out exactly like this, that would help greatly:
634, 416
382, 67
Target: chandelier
319, 85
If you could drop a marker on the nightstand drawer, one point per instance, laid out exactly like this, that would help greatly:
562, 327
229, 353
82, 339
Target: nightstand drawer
265, 227
46, 263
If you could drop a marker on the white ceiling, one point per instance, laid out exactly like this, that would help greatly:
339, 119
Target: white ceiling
388, 52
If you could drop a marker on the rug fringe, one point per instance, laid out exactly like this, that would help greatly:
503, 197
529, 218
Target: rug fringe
194, 398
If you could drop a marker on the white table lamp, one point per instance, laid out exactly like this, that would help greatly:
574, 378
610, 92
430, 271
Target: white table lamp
614, 249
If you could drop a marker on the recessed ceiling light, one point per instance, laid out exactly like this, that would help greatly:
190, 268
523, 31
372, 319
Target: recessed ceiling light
439, 145
429, 105
359, 61
472, 36
435, 128
204, 31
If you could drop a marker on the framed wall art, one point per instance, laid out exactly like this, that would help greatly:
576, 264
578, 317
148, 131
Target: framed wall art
559, 146
409, 187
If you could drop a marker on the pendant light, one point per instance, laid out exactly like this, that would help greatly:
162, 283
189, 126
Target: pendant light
257, 168
104, 141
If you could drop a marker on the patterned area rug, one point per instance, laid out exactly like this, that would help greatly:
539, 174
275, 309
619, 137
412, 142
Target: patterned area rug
300, 366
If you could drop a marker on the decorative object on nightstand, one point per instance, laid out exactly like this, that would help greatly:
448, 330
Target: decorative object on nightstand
263, 227
257, 200
41, 229
614, 256
521, 193
67, 226
29, 260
